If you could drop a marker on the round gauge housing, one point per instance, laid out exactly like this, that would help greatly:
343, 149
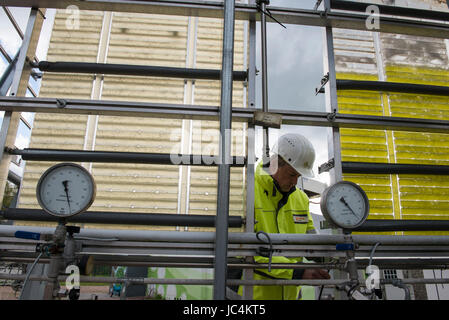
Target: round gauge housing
345, 205
66, 189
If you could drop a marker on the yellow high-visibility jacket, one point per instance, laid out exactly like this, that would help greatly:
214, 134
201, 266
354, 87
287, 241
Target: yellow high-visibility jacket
275, 212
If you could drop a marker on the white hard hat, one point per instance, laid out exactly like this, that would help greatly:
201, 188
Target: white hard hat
297, 151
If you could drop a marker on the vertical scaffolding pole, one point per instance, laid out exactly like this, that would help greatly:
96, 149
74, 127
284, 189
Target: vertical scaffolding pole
249, 227
333, 139
331, 100
263, 25
221, 232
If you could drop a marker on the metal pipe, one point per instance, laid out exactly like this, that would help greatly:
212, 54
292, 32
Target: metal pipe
205, 262
405, 263
214, 9
122, 157
249, 225
267, 282
372, 225
181, 281
263, 34
237, 237
391, 10
221, 234
392, 87
393, 168
417, 281
135, 70
181, 111
126, 218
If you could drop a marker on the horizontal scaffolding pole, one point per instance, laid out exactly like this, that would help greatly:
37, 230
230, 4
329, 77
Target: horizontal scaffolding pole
377, 225
207, 263
391, 10
201, 282
135, 70
125, 218
165, 261
212, 9
96, 245
206, 282
176, 111
393, 168
121, 157
404, 264
237, 237
392, 87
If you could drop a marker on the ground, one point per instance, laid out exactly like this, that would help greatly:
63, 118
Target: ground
87, 293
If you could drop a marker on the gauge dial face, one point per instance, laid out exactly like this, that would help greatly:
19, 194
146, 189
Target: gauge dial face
345, 204
66, 189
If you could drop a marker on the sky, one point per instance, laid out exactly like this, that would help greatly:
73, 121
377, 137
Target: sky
295, 68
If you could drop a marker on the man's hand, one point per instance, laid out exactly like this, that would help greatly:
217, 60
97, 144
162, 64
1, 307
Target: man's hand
311, 274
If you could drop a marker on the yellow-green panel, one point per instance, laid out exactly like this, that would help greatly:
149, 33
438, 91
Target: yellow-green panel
378, 190
419, 105
424, 148
417, 75
431, 181
363, 145
356, 76
416, 196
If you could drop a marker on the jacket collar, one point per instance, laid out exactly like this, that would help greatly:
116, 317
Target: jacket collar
267, 182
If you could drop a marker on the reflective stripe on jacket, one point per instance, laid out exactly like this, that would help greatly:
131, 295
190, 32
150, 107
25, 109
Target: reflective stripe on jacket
275, 212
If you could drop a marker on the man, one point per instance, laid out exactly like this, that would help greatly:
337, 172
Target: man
280, 207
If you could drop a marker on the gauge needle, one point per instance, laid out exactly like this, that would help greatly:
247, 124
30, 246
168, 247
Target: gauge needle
67, 193
346, 204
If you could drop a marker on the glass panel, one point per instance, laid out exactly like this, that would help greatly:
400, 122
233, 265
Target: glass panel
46, 32
9, 38
3, 64
295, 67
21, 16
29, 117
23, 136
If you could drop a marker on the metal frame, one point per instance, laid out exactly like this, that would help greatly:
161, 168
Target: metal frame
391, 10
221, 233
135, 70
392, 87
249, 222
246, 243
106, 217
182, 111
124, 157
214, 9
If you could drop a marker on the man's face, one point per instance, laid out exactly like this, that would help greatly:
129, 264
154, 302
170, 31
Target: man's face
286, 177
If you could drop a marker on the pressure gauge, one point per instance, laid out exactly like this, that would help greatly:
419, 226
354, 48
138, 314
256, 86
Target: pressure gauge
65, 190
345, 205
